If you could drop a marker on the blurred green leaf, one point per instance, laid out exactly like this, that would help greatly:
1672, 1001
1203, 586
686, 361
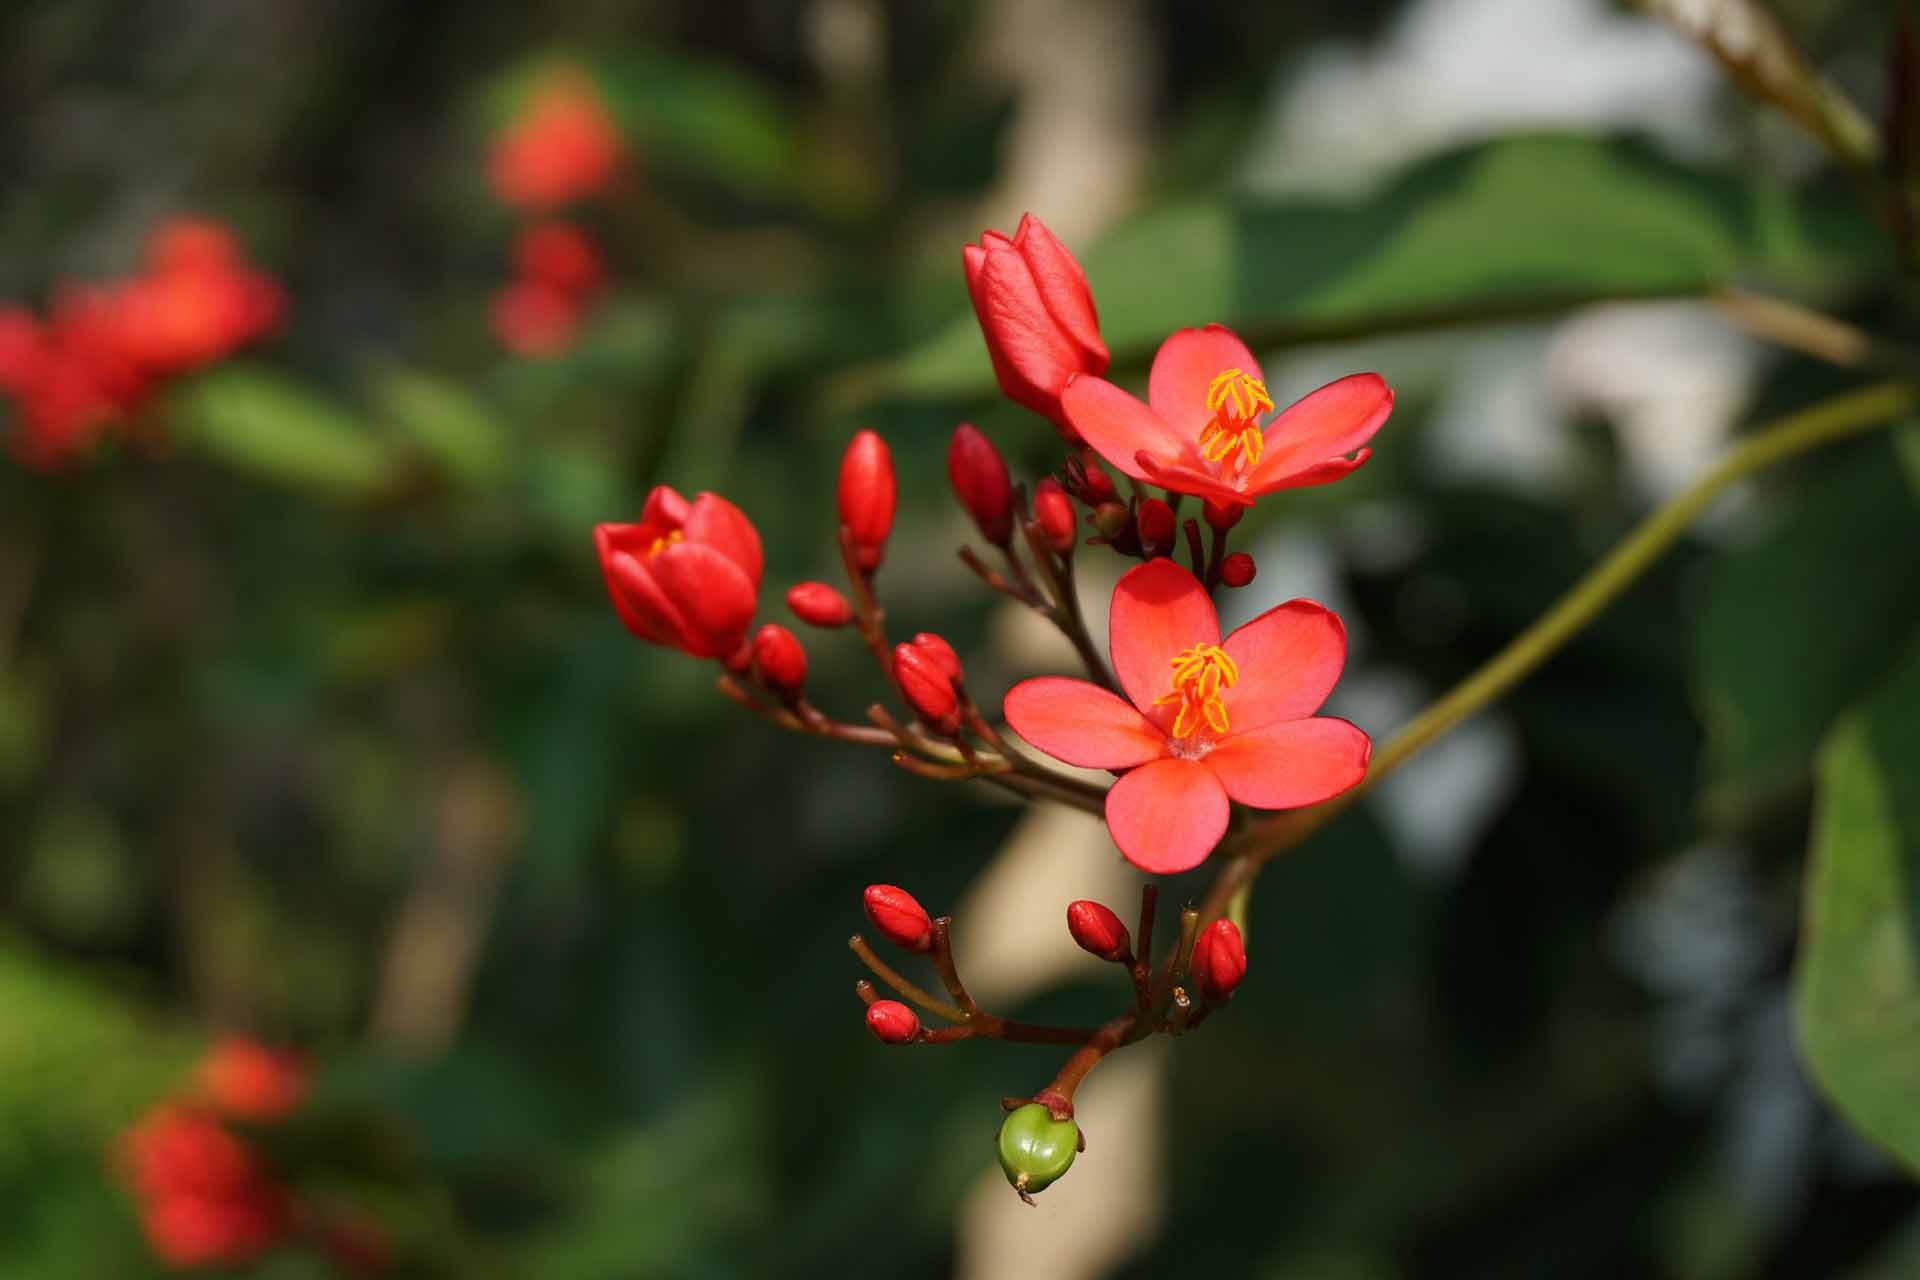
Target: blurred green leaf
1857, 985
450, 423
702, 115
268, 425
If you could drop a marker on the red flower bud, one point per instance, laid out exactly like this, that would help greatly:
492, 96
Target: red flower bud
1221, 517
867, 496
1155, 520
532, 318
1219, 960
564, 146
892, 1022
1037, 316
979, 476
927, 685
781, 661
819, 605
1098, 930
687, 575
1087, 480
1053, 509
250, 1081
900, 919
1111, 519
1237, 569
560, 256
942, 653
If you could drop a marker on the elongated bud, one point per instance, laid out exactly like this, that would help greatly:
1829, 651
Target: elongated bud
979, 476
867, 496
943, 653
927, 686
1237, 570
900, 919
819, 605
1219, 961
1222, 516
1098, 930
1155, 521
892, 1022
781, 661
1053, 510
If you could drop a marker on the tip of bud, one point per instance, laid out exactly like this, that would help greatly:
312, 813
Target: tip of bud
780, 660
899, 918
867, 495
892, 1022
1098, 930
1219, 960
819, 605
980, 482
1237, 570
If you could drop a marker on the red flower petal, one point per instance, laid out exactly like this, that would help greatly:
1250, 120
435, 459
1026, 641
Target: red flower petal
1158, 610
1167, 816
1063, 286
1119, 426
1184, 366
1082, 724
1290, 763
714, 595
1321, 426
637, 598
1191, 480
665, 508
1290, 657
719, 524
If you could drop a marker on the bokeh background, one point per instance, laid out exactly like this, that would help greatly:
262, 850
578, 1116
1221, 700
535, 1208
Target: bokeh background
315, 722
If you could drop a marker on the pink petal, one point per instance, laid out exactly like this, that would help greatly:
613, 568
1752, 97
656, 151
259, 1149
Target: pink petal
1184, 366
1082, 724
1324, 425
1290, 763
1117, 425
719, 524
712, 593
1167, 816
1158, 610
1063, 285
1290, 657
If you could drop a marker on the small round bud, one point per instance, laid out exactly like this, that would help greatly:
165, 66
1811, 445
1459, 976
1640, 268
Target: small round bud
892, 1022
1237, 570
1155, 522
819, 605
1222, 515
1112, 519
900, 919
943, 653
781, 661
867, 496
927, 686
1098, 930
1219, 961
1053, 510
560, 255
1035, 1149
979, 476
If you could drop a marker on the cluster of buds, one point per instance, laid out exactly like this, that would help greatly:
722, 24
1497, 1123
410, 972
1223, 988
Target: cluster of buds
103, 351
1189, 723
209, 1195
563, 149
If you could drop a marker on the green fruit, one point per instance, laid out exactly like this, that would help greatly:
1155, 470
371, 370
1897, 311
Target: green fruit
1036, 1149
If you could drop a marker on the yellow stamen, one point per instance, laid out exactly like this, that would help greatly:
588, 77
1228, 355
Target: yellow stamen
1237, 400
664, 541
1199, 675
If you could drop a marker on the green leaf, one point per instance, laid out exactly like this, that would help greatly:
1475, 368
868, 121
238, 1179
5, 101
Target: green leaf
450, 423
1797, 627
1512, 227
1857, 983
270, 426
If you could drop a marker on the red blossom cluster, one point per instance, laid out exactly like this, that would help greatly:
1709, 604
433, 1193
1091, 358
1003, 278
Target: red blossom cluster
102, 351
563, 149
1190, 723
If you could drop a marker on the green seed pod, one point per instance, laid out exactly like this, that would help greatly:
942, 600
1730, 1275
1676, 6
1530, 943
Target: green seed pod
1036, 1149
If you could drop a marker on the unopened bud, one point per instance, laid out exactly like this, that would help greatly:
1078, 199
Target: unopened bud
943, 653
1155, 521
1237, 570
1219, 961
979, 476
1112, 519
781, 661
927, 686
1096, 485
818, 604
892, 1022
1222, 515
900, 919
1053, 510
867, 496
1098, 930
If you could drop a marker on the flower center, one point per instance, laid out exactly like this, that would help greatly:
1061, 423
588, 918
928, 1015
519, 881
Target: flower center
1199, 674
1237, 400
662, 542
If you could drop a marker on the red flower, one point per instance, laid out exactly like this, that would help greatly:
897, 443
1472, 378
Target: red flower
1037, 315
687, 575
188, 1231
250, 1081
560, 255
1200, 431
532, 318
1209, 719
176, 1150
563, 148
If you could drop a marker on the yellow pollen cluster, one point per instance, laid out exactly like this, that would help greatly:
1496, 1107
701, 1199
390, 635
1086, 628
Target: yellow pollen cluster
1237, 400
1199, 674
664, 541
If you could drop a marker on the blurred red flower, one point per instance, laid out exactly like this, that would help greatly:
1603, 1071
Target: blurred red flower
564, 147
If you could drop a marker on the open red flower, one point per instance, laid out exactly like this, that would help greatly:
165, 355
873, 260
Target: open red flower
687, 575
1199, 431
1208, 720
